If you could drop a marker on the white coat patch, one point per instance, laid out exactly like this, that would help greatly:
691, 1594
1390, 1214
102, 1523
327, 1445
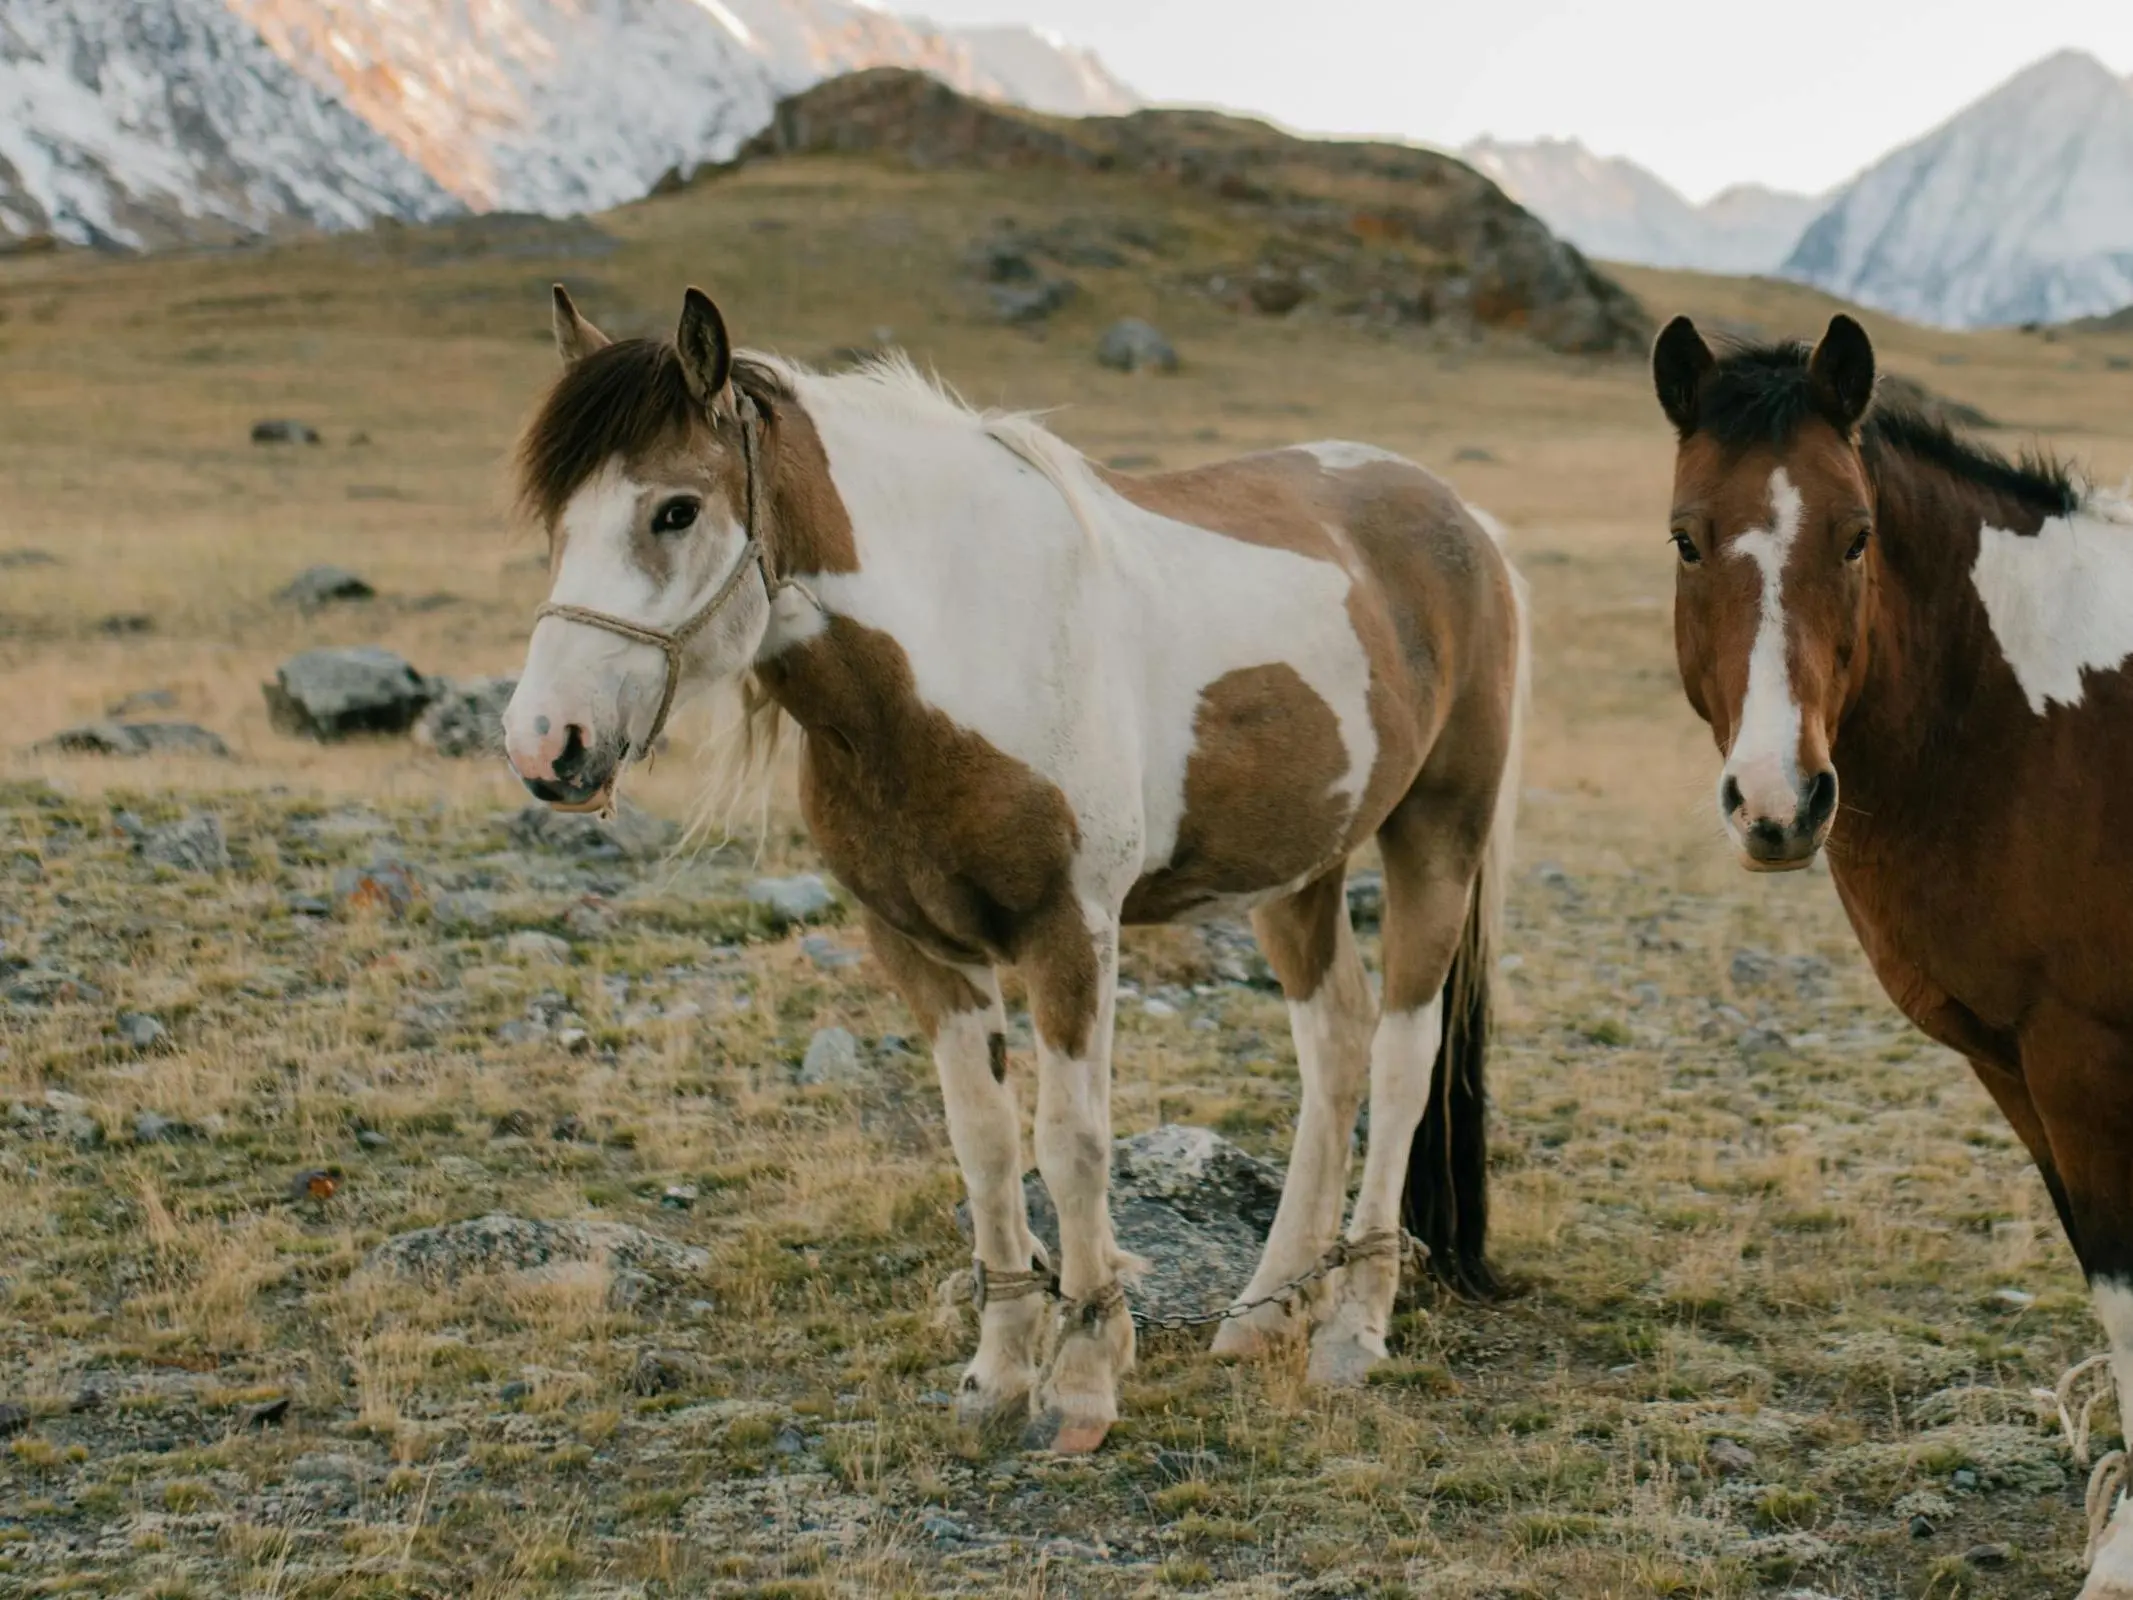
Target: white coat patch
2060, 601
1342, 455
1766, 742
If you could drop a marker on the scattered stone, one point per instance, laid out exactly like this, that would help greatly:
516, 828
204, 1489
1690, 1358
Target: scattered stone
657, 1372
790, 1441
832, 1057
790, 901
25, 556
591, 918
1235, 955
387, 887
327, 1469
679, 1197
114, 738
1276, 294
568, 1129
1366, 900
308, 905
943, 1530
827, 954
339, 693
1473, 452
283, 430
14, 1418
194, 843
1156, 1007
513, 1124
467, 719
1963, 1480
1018, 303
87, 1398
1922, 1527
463, 911
500, 1242
633, 834
530, 944
1990, 1557
121, 623
1132, 345
372, 1139
514, 1391
319, 586
1728, 1459
139, 1031
2014, 1299
1764, 1044
575, 1040
271, 1414
152, 1127
1190, 1203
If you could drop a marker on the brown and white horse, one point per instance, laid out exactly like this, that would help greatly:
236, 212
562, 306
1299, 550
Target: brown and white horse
1039, 701
1862, 598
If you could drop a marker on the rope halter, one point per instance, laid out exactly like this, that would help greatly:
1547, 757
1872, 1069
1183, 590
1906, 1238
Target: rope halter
673, 643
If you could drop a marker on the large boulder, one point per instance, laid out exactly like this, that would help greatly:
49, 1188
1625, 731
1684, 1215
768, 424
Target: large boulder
338, 693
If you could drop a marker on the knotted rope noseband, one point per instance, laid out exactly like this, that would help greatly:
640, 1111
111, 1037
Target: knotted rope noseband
673, 643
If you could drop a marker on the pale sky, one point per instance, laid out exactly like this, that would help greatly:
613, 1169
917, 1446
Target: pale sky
1799, 94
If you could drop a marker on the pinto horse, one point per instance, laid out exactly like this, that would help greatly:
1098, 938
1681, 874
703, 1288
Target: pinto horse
1038, 701
1864, 598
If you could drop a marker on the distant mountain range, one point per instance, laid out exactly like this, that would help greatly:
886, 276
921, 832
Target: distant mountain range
2017, 209
137, 123
1612, 208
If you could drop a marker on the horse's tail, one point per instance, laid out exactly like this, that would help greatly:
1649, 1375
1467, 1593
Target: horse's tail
1447, 1198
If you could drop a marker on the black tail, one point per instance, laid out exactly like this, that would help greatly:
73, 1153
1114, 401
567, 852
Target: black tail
1447, 1200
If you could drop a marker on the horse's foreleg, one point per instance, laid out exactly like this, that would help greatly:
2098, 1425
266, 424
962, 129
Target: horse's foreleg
1308, 943
960, 1010
1071, 965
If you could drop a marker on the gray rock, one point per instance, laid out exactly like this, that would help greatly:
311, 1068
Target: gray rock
152, 1127
1729, 1459
139, 1031
1189, 1202
385, 885
1031, 302
339, 693
49, 986
194, 843
324, 586
467, 719
827, 954
114, 738
530, 944
328, 1469
500, 1242
283, 430
127, 705
1235, 955
25, 556
634, 834
463, 911
832, 1057
1132, 345
805, 898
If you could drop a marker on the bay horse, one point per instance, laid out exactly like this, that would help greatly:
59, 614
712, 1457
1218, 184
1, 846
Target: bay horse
1862, 596
1037, 701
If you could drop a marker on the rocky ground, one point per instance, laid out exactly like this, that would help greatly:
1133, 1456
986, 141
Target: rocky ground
437, 1200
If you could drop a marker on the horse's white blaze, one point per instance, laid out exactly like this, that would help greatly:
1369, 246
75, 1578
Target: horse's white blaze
1341, 455
2111, 1574
1765, 758
1084, 629
2060, 601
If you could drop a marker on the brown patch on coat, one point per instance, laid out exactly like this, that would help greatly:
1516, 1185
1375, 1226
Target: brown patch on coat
934, 992
954, 844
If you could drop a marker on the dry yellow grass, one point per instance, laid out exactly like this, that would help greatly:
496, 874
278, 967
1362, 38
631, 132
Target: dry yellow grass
1791, 1242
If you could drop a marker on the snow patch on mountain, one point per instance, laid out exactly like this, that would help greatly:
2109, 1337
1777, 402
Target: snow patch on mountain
1612, 208
562, 106
2017, 209
133, 123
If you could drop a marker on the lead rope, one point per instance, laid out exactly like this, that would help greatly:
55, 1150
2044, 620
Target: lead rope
2108, 1479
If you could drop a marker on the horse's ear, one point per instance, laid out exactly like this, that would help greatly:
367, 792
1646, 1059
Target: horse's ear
1680, 363
575, 338
1842, 371
706, 354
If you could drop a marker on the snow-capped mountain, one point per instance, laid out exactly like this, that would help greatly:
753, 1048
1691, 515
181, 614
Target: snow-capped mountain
146, 122
2017, 209
1614, 209
573, 105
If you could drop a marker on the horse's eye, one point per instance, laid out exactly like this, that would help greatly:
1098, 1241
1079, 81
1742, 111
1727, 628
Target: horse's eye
1859, 544
676, 516
1685, 547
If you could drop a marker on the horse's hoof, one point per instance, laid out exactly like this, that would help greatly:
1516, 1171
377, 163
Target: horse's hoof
989, 1409
1340, 1360
1054, 1431
1242, 1338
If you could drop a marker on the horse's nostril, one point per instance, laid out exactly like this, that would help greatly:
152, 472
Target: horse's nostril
1821, 801
1729, 798
572, 756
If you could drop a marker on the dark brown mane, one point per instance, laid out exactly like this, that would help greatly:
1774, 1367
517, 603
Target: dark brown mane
627, 398
1759, 394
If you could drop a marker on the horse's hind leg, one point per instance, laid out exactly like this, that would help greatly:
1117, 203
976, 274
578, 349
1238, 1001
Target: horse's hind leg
2080, 1077
1432, 848
960, 1010
1309, 944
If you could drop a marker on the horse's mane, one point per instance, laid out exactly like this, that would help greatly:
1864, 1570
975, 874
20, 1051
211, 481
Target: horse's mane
1759, 394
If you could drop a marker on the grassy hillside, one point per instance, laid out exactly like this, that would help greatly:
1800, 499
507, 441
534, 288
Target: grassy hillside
1746, 1203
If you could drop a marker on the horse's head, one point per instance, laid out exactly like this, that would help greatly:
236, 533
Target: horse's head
642, 464
1773, 517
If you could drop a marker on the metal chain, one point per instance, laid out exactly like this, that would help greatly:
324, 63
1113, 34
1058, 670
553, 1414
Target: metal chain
996, 1285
